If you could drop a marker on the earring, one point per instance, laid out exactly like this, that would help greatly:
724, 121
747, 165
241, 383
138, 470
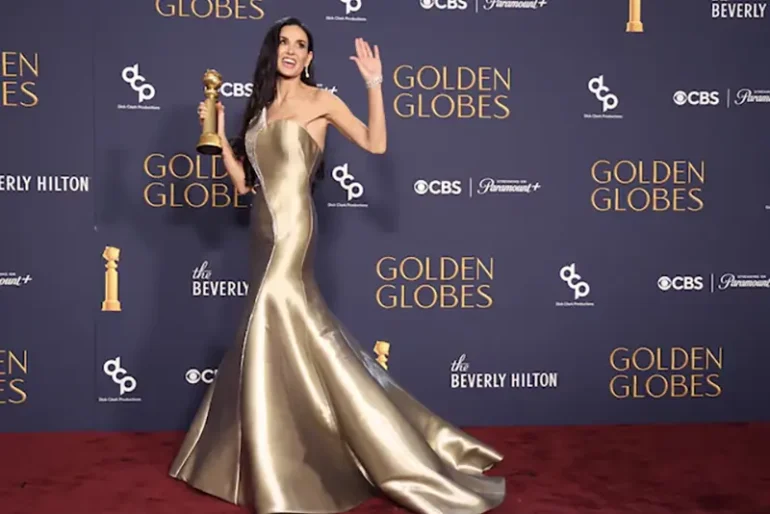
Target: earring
307, 73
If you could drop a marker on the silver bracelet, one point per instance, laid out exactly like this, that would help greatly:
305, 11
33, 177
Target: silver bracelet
373, 82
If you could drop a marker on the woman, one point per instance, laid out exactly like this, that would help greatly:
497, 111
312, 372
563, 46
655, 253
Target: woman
301, 419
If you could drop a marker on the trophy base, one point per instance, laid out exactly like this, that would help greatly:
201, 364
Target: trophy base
209, 144
111, 306
634, 26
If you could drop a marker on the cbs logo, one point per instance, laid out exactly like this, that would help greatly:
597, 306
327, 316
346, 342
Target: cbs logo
438, 187
680, 283
444, 4
193, 376
696, 98
236, 89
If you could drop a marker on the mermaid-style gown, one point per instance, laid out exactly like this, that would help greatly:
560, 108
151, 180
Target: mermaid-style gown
299, 418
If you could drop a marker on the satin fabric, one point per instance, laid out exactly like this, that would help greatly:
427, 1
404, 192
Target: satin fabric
299, 418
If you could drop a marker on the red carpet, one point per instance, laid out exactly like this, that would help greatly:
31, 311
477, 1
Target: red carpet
685, 469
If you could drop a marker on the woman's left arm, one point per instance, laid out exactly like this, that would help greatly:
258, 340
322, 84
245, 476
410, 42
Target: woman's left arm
372, 138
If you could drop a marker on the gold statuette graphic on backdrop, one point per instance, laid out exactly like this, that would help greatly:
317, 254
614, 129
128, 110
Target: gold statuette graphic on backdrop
209, 143
382, 349
634, 16
111, 302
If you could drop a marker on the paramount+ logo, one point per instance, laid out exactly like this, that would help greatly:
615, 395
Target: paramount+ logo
680, 283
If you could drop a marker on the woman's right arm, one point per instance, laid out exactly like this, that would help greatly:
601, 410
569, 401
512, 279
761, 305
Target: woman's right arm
233, 165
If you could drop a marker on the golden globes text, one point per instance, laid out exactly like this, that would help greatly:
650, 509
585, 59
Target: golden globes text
19, 73
648, 186
434, 282
460, 92
677, 372
211, 9
14, 366
185, 181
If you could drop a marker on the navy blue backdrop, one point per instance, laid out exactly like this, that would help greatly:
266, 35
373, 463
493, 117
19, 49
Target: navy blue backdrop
569, 226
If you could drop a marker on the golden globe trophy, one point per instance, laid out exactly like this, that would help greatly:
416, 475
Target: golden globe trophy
634, 16
382, 349
111, 302
209, 143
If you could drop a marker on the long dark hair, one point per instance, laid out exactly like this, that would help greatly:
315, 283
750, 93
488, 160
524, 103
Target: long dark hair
264, 88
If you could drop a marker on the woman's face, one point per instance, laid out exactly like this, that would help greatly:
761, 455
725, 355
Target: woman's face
293, 54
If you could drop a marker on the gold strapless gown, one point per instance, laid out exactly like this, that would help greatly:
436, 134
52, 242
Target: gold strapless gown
299, 418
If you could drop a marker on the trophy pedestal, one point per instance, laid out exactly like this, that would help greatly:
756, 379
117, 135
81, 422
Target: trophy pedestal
634, 26
209, 144
111, 306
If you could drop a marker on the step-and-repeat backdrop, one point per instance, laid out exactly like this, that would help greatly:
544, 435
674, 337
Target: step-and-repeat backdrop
570, 224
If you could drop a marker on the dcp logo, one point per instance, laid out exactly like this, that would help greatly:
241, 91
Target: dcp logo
193, 376
581, 288
236, 89
438, 187
347, 182
444, 4
602, 93
351, 5
131, 76
119, 375
680, 283
696, 98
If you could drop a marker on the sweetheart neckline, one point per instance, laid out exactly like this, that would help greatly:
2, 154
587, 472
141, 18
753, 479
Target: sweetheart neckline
318, 147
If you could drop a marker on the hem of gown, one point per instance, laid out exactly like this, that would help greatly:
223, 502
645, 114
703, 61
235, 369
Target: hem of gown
375, 494
341, 510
